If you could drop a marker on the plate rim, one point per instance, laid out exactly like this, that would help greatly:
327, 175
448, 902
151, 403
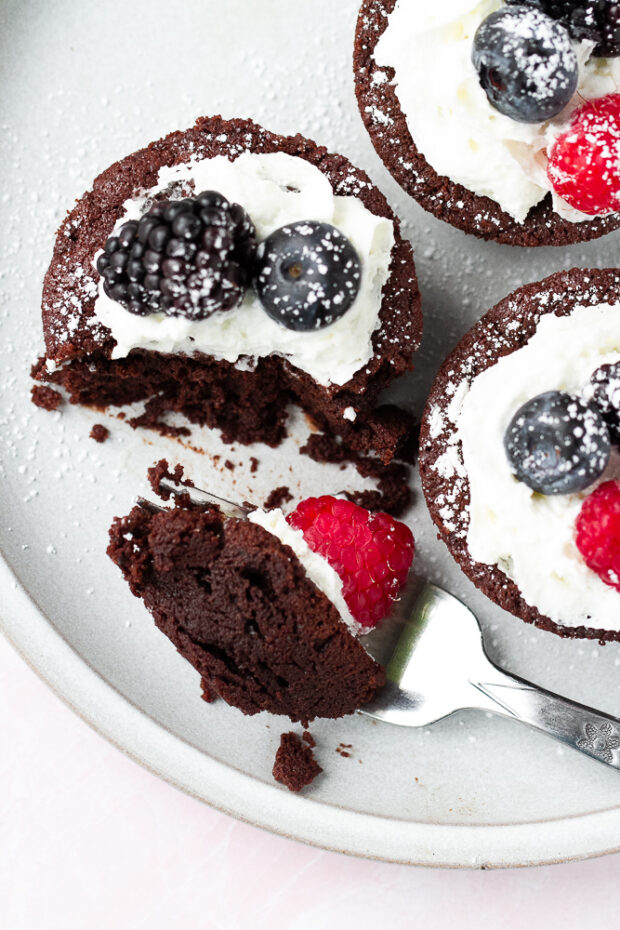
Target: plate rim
166, 755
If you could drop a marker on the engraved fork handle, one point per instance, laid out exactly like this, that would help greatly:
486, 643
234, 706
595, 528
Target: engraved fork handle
587, 730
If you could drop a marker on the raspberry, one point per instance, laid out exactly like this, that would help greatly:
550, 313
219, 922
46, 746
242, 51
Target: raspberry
372, 553
584, 162
598, 532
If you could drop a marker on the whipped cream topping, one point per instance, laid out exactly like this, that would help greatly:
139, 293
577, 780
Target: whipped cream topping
318, 569
529, 536
275, 189
454, 126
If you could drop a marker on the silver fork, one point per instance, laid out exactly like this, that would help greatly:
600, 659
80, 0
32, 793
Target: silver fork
432, 649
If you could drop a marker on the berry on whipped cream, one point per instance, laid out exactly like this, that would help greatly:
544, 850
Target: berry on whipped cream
584, 162
526, 64
557, 443
359, 560
276, 190
372, 553
598, 533
454, 125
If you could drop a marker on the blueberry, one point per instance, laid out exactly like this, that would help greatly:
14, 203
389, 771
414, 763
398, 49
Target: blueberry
557, 443
307, 275
526, 63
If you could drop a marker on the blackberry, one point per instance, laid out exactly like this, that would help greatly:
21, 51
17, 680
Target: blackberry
595, 20
526, 63
557, 443
186, 258
605, 391
307, 275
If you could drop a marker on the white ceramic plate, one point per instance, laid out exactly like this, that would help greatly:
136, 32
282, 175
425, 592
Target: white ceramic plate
82, 85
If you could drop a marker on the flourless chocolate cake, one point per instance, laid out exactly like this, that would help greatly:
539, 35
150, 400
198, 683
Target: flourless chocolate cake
519, 453
268, 609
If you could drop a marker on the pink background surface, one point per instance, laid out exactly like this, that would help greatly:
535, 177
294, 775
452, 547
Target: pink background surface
90, 840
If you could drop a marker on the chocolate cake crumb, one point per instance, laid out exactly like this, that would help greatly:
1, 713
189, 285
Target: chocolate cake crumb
99, 432
393, 494
253, 464
309, 738
278, 497
323, 448
295, 765
207, 693
46, 397
161, 470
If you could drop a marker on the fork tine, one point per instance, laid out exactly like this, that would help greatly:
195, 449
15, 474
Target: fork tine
197, 496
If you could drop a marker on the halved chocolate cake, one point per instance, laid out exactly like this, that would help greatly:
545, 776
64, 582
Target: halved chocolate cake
226, 272
268, 608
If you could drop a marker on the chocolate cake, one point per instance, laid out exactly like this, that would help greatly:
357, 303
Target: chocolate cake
246, 398
446, 199
560, 335
268, 609
240, 607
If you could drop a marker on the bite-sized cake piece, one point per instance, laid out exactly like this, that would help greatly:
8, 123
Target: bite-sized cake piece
501, 118
519, 454
295, 765
269, 609
226, 272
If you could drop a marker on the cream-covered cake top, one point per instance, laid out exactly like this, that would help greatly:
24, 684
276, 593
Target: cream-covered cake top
275, 189
450, 118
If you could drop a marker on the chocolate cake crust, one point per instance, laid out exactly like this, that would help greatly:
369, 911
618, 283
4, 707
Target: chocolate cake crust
238, 605
447, 496
246, 406
387, 125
